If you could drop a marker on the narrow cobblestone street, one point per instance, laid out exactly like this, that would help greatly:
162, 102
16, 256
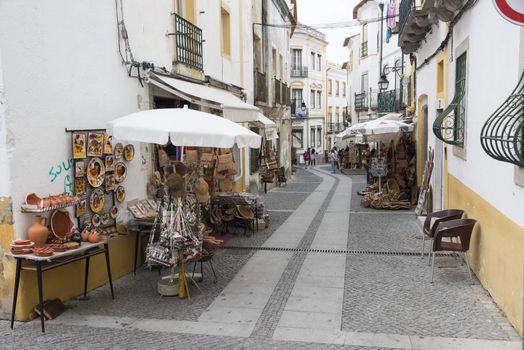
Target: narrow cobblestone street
349, 279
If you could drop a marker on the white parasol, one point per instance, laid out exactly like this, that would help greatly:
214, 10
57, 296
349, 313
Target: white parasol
184, 127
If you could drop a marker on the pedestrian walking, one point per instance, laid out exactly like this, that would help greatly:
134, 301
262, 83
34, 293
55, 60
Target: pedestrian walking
313, 157
307, 155
333, 157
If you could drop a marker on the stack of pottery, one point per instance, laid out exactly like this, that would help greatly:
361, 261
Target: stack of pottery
91, 236
22, 246
35, 202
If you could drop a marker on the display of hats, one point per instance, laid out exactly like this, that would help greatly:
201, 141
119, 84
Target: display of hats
177, 185
245, 213
61, 224
229, 215
201, 190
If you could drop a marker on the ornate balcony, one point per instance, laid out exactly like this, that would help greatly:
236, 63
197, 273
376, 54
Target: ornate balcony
188, 44
388, 101
502, 136
299, 72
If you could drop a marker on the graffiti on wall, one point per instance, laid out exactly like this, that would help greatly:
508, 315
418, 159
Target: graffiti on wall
56, 172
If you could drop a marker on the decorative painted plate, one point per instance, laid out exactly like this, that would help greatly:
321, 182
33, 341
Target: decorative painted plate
129, 152
119, 149
96, 172
105, 218
95, 220
113, 212
120, 193
120, 172
97, 200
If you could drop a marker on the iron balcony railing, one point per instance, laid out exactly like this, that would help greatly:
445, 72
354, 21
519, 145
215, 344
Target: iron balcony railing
361, 102
260, 87
406, 6
188, 44
450, 124
364, 49
502, 136
388, 101
299, 72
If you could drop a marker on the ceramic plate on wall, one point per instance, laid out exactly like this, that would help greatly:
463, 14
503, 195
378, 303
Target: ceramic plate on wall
129, 152
120, 193
120, 172
96, 172
119, 149
95, 220
97, 200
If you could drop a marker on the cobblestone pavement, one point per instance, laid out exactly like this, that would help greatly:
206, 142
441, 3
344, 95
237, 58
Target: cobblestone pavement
385, 301
74, 337
398, 298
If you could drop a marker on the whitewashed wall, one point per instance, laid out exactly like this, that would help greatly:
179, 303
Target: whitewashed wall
62, 70
492, 73
5, 188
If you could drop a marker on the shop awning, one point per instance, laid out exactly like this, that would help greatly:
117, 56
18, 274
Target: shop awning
234, 108
269, 126
183, 127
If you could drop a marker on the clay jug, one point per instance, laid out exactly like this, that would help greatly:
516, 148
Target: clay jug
38, 232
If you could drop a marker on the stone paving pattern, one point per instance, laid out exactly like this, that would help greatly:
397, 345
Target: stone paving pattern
384, 298
73, 337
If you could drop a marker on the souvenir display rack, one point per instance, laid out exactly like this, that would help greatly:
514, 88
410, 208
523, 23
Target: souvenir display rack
95, 170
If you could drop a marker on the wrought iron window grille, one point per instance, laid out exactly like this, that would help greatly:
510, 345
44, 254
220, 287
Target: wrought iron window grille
502, 136
449, 125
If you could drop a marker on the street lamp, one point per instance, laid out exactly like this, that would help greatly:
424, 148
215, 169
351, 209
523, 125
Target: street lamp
383, 83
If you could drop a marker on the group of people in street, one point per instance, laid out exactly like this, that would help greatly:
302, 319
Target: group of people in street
335, 158
310, 157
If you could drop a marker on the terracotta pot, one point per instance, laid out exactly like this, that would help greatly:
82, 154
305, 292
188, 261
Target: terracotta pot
85, 235
38, 232
94, 237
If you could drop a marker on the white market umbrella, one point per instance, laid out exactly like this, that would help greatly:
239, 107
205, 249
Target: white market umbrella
183, 127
